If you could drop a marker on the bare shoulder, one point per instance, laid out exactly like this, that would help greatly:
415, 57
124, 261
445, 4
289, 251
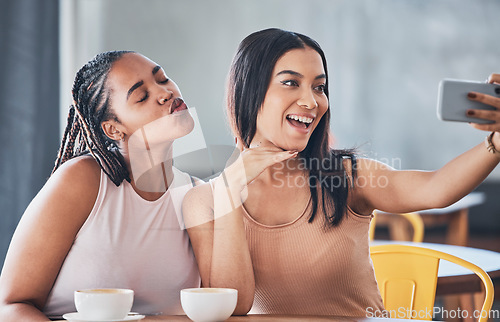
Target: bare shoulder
63, 204
197, 206
199, 196
84, 169
74, 185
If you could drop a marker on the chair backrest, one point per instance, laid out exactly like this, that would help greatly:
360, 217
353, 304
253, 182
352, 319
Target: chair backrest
407, 279
415, 220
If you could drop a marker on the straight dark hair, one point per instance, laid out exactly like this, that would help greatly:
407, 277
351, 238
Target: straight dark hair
248, 81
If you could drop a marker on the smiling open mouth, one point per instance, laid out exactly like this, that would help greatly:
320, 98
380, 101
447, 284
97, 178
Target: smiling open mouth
299, 121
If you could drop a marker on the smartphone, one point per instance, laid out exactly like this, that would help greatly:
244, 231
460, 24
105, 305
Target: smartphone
453, 102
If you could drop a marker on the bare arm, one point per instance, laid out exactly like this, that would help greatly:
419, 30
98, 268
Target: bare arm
43, 239
231, 263
220, 246
198, 217
405, 191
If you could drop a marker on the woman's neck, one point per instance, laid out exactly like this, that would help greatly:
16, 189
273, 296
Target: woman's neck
280, 170
150, 168
152, 184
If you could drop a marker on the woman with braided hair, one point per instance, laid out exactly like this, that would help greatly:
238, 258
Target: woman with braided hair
108, 215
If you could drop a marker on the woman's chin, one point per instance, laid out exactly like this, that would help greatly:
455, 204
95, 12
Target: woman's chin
293, 147
185, 127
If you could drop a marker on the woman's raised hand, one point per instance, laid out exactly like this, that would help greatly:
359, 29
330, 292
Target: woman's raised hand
243, 167
249, 163
493, 115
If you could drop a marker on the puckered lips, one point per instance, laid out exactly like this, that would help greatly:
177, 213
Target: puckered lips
300, 121
177, 105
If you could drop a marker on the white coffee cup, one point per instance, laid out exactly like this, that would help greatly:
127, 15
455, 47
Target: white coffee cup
104, 303
209, 304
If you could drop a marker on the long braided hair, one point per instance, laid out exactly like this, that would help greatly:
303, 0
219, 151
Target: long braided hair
91, 107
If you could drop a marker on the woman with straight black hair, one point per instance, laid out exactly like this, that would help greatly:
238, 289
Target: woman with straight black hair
246, 93
290, 214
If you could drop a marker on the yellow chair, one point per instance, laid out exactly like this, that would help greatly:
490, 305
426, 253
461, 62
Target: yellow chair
407, 279
415, 220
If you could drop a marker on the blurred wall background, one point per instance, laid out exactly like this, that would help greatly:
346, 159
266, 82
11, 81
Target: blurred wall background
29, 105
386, 58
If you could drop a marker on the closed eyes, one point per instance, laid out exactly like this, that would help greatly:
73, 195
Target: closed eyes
146, 93
145, 97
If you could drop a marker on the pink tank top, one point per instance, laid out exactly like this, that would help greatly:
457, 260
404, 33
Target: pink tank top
129, 242
304, 268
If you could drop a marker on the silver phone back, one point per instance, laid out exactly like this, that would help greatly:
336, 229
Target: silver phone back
453, 102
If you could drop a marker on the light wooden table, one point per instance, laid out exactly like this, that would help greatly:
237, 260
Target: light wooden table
267, 318
270, 318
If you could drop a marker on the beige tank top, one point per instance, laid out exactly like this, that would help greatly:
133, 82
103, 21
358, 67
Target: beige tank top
304, 268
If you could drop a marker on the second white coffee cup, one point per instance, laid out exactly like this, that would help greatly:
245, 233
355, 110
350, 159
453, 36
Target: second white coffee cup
209, 304
104, 303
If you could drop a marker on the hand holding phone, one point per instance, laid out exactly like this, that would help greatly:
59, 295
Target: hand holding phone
453, 102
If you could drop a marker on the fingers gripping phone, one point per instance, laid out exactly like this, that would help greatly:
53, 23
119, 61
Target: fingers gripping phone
453, 102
